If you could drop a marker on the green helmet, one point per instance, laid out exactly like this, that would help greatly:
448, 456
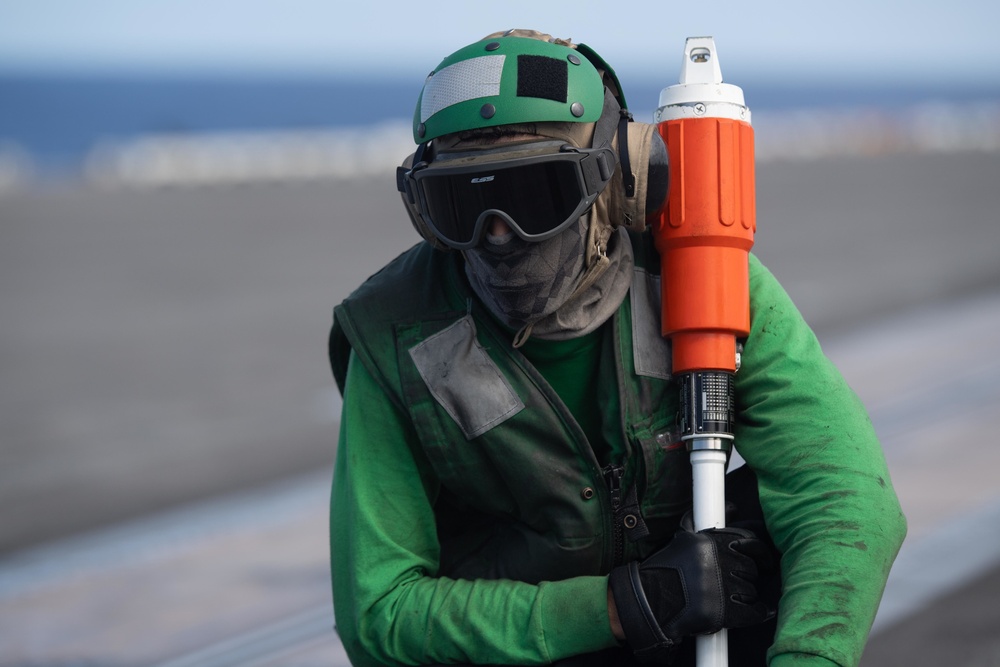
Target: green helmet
506, 80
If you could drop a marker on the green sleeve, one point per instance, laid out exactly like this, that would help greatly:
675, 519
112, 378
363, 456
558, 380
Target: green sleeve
824, 485
390, 606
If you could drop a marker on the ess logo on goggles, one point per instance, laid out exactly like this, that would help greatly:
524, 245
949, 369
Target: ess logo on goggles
538, 189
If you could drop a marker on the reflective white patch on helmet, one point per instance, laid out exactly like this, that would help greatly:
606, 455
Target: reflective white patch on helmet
465, 80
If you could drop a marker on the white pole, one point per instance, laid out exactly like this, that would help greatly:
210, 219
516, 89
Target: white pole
709, 478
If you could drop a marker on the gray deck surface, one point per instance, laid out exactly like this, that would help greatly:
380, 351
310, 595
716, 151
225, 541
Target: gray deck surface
168, 421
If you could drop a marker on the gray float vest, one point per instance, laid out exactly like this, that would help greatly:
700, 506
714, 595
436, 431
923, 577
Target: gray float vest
522, 494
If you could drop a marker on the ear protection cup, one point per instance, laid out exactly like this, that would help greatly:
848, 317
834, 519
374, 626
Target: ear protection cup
657, 176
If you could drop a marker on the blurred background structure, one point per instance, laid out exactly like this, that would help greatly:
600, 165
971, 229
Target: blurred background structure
187, 188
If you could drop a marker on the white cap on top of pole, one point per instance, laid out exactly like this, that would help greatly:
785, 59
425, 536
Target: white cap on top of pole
701, 92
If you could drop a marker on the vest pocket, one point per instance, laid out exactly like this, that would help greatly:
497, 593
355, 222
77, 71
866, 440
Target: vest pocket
668, 475
464, 380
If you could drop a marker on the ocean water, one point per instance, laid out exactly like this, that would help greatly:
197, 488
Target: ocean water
58, 119
57, 124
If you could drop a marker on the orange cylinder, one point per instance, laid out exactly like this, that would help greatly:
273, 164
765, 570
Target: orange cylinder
704, 234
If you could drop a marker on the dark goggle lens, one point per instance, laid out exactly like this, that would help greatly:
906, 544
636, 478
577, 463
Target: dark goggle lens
538, 197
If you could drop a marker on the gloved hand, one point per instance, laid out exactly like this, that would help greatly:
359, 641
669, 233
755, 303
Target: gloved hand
697, 584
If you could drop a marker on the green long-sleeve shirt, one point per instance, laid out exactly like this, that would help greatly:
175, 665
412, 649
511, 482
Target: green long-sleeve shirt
824, 488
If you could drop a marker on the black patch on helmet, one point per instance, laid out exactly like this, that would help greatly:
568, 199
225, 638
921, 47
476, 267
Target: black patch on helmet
541, 76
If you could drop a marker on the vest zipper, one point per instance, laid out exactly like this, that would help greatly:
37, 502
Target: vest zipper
613, 479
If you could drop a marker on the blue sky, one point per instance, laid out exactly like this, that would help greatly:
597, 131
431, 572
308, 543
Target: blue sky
849, 39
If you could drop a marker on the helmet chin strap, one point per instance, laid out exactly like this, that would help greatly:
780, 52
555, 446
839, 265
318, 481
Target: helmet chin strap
628, 177
613, 120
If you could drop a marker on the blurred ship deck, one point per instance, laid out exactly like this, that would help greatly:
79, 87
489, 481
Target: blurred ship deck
168, 419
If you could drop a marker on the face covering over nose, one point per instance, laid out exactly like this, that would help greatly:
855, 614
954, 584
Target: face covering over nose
546, 288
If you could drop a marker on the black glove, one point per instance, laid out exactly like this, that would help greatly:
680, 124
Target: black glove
698, 584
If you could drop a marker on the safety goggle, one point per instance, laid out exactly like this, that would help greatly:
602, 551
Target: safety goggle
539, 189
